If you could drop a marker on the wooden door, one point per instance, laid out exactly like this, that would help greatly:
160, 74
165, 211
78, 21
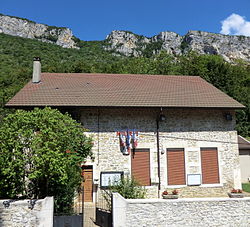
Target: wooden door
140, 166
88, 183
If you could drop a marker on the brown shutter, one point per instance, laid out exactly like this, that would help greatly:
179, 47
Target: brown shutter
209, 166
176, 167
140, 166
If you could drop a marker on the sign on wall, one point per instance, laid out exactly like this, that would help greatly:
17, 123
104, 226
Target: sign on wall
110, 178
194, 179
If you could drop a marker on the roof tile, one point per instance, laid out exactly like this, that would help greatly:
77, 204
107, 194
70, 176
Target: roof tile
84, 89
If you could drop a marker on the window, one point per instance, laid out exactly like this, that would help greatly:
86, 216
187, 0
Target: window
140, 166
176, 167
209, 166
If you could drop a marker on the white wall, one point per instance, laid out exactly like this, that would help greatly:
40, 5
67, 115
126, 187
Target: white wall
245, 165
19, 215
181, 212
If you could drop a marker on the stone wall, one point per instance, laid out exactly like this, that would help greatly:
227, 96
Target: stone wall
18, 214
190, 129
180, 212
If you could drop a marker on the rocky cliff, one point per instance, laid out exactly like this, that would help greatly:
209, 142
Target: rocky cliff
129, 44
29, 29
229, 47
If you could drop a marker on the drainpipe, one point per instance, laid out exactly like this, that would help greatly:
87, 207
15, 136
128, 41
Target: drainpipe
158, 156
98, 135
160, 118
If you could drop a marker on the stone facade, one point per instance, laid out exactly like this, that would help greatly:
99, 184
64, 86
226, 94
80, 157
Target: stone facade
190, 129
180, 212
18, 213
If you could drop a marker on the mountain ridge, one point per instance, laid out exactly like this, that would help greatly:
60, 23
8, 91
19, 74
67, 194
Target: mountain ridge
229, 47
126, 43
22, 27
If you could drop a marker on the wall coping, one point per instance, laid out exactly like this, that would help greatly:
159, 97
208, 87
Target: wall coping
26, 201
215, 199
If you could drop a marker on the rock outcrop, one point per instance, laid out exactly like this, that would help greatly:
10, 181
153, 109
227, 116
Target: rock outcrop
28, 29
126, 43
130, 44
229, 47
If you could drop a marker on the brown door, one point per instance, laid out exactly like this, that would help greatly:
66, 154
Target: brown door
140, 166
88, 183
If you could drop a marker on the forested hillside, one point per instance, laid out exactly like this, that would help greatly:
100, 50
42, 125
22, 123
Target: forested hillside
16, 56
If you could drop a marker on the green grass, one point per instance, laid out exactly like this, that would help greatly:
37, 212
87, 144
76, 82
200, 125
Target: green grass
246, 187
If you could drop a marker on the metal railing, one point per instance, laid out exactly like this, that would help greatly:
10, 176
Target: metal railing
104, 200
104, 208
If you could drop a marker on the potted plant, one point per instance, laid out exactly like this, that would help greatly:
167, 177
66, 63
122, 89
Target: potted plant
236, 193
166, 195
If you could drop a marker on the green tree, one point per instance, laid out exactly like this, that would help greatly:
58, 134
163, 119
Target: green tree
41, 152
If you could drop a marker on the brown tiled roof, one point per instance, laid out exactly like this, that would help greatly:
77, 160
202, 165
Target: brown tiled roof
244, 144
81, 89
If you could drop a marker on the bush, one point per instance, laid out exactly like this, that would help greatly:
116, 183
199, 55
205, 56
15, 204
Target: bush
246, 187
129, 188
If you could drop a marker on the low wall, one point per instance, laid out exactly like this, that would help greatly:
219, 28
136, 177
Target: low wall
18, 213
180, 212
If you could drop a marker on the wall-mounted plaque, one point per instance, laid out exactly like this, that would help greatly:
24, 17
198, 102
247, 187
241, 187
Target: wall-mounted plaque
110, 178
194, 179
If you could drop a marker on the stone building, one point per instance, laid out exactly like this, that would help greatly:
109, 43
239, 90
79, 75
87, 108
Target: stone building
166, 131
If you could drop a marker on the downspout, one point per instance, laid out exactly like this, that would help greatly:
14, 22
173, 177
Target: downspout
158, 156
98, 140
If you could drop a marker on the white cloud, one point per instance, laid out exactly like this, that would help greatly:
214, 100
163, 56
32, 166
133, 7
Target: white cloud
235, 25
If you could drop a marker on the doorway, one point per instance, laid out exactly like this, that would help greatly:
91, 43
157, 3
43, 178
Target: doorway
88, 183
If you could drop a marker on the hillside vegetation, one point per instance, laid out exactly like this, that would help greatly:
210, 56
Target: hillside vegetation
16, 56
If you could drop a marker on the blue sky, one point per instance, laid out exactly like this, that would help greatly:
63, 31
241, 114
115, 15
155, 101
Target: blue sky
94, 19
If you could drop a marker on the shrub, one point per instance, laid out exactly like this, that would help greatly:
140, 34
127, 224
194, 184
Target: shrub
129, 188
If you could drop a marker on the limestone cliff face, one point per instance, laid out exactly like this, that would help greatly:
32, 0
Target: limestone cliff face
129, 44
29, 29
229, 47
126, 43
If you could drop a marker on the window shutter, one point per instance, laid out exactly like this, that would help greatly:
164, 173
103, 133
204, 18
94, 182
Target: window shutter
176, 167
209, 166
140, 165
